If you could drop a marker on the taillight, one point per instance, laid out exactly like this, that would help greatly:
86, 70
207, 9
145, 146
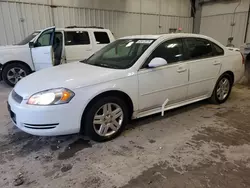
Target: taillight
243, 59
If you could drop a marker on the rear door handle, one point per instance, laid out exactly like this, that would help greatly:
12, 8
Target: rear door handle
217, 63
181, 70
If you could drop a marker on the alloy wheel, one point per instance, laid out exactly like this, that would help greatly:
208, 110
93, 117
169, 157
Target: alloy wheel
223, 89
15, 74
108, 119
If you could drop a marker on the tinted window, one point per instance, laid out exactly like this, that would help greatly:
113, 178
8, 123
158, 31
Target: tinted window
217, 50
171, 51
76, 38
58, 38
102, 37
58, 45
199, 48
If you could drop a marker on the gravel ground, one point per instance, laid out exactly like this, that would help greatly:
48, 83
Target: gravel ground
200, 145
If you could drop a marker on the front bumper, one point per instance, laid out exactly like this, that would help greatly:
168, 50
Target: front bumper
45, 120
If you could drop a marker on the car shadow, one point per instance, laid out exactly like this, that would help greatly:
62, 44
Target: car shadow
170, 113
65, 147
25, 143
4, 85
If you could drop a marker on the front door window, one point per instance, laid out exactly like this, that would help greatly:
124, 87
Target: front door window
171, 51
45, 39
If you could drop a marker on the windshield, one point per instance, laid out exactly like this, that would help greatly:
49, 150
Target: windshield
28, 38
120, 54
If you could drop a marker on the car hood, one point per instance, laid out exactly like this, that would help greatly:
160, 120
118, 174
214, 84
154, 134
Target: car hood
12, 47
71, 76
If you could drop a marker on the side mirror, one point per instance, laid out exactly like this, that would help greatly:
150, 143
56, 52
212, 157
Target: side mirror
157, 62
31, 44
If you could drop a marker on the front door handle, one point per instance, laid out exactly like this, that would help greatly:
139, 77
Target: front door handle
217, 63
181, 70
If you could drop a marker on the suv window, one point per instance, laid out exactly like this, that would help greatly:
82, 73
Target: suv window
76, 38
198, 48
171, 51
44, 39
102, 37
217, 50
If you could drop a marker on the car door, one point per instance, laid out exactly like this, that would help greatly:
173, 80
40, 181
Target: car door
204, 67
169, 82
42, 50
58, 49
78, 45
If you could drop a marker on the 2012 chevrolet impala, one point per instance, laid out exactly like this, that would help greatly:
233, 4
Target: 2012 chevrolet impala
130, 78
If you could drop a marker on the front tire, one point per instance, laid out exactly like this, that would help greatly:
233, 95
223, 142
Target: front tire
105, 119
14, 72
222, 89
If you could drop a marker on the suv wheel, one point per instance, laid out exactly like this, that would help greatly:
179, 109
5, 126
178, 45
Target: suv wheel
105, 119
13, 73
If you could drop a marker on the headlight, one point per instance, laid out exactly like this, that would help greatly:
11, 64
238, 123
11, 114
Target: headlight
51, 97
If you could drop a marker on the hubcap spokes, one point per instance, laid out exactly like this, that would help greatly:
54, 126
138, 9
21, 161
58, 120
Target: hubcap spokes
108, 119
15, 74
223, 89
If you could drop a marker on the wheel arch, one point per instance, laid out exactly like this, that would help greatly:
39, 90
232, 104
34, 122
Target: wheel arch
213, 98
116, 93
230, 73
16, 61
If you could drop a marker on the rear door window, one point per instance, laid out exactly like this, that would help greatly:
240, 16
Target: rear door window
198, 48
217, 50
102, 38
76, 38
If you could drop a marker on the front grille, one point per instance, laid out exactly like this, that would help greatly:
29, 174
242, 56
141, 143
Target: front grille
47, 126
17, 97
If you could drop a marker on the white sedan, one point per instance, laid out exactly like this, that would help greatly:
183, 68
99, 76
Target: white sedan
130, 78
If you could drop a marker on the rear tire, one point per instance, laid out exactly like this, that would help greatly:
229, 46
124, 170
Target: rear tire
222, 89
105, 119
14, 72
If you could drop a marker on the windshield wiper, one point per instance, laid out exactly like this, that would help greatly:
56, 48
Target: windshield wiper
100, 64
83, 61
107, 65
103, 65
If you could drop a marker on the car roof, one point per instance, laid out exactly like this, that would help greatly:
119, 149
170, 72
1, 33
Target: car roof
77, 29
80, 29
171, 35
174, 35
